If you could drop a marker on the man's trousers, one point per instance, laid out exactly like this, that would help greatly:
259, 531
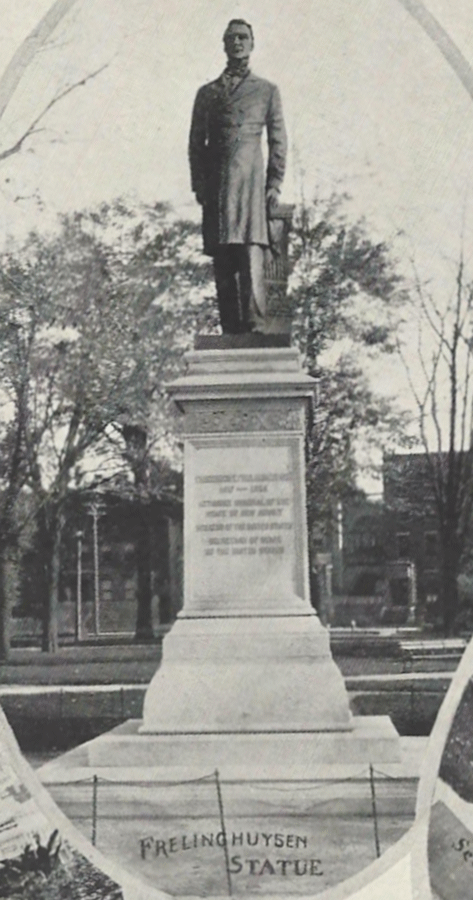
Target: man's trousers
239, 279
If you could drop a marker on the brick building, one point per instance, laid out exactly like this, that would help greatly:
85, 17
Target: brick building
412, 522
110, 542
386, 550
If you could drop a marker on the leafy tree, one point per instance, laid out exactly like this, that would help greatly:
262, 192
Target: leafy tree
103, 324
104, 309
15, 347
348, 302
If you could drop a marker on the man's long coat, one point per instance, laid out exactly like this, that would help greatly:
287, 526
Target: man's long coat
226, 158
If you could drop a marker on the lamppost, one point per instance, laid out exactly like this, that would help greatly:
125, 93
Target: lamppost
412, 591
95, 510
79, 536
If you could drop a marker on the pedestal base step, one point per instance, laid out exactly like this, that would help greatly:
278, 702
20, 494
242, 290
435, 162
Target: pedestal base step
373, 739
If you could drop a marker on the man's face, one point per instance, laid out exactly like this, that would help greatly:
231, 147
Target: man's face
238, 42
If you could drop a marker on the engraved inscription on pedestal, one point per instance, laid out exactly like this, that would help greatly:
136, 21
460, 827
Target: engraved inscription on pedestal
246, 531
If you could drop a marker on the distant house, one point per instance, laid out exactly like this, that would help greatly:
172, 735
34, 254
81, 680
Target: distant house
360, 552
386, 551
371, 587
111, 540
412, 522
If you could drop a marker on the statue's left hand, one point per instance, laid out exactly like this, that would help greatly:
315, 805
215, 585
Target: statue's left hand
272, 199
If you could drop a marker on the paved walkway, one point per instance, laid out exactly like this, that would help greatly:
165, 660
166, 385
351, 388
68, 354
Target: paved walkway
286, 836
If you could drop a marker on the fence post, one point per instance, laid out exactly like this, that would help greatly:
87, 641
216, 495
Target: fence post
375, 812
224, 833
95, 786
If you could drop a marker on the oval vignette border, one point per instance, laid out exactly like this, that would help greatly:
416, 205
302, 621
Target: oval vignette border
403, 866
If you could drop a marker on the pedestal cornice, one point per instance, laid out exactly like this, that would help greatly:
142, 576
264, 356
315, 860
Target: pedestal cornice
262, 374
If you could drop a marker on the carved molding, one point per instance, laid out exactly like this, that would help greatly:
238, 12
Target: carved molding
214, 417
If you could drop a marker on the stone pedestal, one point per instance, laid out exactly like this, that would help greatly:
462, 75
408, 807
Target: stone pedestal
247, 684
247, 653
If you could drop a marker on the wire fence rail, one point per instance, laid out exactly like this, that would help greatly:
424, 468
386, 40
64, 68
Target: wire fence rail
94, 792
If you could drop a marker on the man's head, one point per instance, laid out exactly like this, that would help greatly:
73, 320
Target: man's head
238, 39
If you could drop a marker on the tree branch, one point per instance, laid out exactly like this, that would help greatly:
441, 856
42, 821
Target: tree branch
32, 129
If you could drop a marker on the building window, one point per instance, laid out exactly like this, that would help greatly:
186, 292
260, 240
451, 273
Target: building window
403, 540
130, 590
366, 540
106, 590
431, 543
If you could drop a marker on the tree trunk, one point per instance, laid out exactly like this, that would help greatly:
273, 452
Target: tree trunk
7, 602
449, 602
50, 639
172, 600
144, 618
136, 440
449, 597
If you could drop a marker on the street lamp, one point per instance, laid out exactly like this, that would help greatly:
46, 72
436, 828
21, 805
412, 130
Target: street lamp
95, 511
79, 536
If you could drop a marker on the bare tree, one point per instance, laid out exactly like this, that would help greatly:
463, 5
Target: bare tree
33, 127
20, 62
443, 393
27, 51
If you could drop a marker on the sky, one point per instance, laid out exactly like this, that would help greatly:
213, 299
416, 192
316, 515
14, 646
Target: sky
371, 108
370, 105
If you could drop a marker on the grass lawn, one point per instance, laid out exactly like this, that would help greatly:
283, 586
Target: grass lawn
128, 664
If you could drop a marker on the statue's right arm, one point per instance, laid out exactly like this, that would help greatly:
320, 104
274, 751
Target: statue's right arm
198, 146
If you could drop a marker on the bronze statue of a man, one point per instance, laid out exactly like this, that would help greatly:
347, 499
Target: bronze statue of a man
230, 182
